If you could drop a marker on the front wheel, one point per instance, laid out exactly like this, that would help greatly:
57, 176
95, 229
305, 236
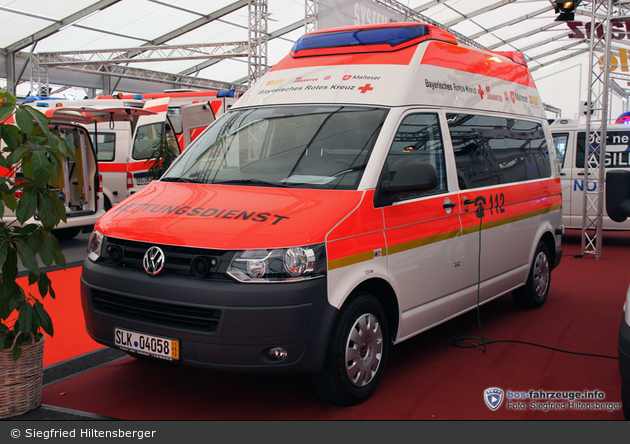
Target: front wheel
534, 293
356, 354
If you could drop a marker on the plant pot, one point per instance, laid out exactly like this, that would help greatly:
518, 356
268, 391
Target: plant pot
21, 380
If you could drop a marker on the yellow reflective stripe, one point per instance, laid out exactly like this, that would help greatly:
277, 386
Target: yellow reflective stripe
353, 259
369, 255
422, 242
508, 220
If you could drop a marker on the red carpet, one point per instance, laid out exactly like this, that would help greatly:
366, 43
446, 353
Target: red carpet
426, 379
70, 338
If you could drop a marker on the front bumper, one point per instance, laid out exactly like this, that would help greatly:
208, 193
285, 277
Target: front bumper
244, 321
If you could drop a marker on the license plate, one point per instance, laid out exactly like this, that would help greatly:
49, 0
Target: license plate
142, 180
149, 345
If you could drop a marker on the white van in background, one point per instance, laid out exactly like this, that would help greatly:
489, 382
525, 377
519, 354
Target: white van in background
569, 137
80, 187
182, 114
122, 155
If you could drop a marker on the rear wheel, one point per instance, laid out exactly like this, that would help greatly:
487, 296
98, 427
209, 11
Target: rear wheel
534, 293
356, 354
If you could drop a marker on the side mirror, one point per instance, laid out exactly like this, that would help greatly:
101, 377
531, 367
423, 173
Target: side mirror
412, 177
618, 195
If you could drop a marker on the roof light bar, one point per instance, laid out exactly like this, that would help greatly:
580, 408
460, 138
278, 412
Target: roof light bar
391, 36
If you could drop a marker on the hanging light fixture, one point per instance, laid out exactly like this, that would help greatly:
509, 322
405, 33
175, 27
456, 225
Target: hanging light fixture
565, 10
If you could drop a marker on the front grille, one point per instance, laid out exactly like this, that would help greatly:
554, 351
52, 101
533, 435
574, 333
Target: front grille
180, 261
164, 314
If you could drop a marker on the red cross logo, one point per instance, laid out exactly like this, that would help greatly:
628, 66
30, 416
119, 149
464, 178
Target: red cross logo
365, 88
480, 91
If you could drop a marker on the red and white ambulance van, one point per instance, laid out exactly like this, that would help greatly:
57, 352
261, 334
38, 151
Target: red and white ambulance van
181, 115
376, 182
123, 154
81, 184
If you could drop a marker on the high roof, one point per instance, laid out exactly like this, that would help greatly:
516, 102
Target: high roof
41, 26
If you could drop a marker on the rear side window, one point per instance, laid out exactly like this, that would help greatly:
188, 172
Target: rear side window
493, 150
105, 145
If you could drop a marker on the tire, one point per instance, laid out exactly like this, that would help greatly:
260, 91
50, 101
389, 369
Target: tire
107, 205
534, 293
357, 352
66, 233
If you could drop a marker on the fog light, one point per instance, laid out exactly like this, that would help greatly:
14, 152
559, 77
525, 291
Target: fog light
277, 354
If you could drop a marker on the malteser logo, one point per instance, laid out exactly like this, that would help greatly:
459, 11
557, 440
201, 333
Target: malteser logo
347, 77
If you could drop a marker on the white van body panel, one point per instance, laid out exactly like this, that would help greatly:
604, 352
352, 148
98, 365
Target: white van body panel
566, 134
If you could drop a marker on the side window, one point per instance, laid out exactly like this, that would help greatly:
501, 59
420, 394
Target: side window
561, 140
105, 144
418, 139
474, 139
493, 150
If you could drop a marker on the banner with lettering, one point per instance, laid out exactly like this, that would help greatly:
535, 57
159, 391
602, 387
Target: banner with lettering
336, 13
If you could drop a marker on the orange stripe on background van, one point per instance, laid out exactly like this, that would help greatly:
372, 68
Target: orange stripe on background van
106, 167
138, 166
158, 108
476, 62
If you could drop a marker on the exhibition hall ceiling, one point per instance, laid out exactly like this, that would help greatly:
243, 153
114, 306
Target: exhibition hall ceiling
41, 26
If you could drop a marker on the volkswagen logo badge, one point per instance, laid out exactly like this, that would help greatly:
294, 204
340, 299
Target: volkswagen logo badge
153, 261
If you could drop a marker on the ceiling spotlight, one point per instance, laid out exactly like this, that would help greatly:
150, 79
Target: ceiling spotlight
565, 10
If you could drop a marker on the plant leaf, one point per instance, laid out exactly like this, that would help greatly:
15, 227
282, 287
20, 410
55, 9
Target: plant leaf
27, 205
47, 249
10, 136
16, 352
24, 120
6, 109
10, 267
45, 320
39, 117
27, 257
60, 258
41, 167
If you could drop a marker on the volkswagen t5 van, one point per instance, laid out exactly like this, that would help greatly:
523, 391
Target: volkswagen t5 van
338, 208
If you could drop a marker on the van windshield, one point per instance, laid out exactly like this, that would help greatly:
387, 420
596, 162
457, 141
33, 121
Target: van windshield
297, 146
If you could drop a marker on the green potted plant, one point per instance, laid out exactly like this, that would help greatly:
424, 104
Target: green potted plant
164, 152
31, 148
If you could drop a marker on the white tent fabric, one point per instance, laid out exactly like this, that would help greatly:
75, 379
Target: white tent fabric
527, 26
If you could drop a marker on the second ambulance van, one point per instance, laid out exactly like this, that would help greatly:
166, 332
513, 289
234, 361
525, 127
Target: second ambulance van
376, 182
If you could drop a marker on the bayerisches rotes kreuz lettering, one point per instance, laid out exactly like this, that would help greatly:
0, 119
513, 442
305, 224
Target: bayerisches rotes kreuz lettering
190, 211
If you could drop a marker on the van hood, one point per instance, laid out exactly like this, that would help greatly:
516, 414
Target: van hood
227, 216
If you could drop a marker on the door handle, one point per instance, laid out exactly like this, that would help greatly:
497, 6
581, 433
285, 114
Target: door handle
448, 205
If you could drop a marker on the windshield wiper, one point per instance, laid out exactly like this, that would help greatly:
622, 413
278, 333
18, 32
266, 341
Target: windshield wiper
181, 179
250, 181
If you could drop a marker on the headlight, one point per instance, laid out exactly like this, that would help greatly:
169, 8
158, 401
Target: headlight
94, 246
279, 265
